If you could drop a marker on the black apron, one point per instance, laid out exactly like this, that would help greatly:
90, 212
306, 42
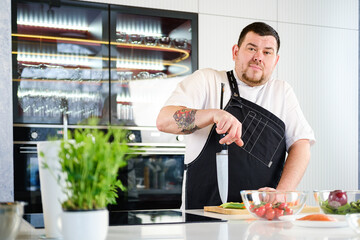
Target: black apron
259, 163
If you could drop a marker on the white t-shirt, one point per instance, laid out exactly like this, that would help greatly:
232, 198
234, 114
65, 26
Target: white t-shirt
202, 90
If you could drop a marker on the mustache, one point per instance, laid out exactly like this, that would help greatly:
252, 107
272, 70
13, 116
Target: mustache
252, 63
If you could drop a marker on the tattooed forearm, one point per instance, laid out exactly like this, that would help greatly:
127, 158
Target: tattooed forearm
185, 119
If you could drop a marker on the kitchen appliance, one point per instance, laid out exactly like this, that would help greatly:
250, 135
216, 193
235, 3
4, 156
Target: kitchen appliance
153, 178
74, 60
121, 218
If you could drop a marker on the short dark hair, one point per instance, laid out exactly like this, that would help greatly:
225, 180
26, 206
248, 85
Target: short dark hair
262, 29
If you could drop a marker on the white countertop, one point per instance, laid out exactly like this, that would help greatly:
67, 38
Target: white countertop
236, 228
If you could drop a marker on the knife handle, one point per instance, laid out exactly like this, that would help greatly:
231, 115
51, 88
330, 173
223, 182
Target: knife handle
224, 146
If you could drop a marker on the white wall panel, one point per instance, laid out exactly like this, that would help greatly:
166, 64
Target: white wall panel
322, 66
217, 35
255, 9
176, 5
333, 13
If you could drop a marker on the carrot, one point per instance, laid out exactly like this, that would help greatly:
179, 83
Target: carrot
317, 217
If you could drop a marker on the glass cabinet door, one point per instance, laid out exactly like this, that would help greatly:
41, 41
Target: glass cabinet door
60, 61
151, 51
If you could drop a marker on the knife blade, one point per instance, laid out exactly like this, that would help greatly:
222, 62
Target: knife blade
222, 171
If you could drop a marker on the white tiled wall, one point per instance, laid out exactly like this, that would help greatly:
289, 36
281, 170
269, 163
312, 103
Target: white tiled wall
217, 35
332, 13
321, 64
318, 57
254, 9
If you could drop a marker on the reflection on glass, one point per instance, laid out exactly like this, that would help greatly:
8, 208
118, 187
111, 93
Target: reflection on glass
59, 56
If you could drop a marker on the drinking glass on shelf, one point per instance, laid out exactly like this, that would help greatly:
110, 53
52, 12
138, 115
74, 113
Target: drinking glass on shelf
165, 41
160, 75
180, 43
50, 72
128, 76
143, 75
75, 74
135, 38
150, 40
121, 37
63, 73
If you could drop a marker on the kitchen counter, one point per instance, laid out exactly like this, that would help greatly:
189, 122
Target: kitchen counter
237, 227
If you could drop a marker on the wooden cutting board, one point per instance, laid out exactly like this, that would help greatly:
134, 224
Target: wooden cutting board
229, 211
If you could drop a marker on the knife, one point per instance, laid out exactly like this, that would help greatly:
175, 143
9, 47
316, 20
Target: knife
222, 171
222, 163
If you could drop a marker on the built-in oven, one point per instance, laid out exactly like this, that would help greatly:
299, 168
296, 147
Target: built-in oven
26, 167
153, 177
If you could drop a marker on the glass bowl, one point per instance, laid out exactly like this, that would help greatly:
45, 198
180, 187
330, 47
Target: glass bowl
338, 201
10, 218
353, 220
271, 205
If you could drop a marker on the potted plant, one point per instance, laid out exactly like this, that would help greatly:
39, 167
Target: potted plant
89, 164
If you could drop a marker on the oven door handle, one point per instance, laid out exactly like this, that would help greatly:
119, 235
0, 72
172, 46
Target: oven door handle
28, 152
159, 151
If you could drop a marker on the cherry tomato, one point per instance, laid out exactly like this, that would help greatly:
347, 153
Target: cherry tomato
260, 211
279, 212
283, 205
270, 214
288, 211
251, 208
268, 205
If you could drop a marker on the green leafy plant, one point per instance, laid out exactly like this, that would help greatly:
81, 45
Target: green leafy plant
90, 161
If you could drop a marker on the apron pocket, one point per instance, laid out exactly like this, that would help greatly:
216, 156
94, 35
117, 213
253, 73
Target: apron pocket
262, 137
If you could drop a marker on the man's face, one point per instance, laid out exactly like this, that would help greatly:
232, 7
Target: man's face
255, 59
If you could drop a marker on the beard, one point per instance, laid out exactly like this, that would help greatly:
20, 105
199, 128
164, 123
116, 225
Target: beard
253, 79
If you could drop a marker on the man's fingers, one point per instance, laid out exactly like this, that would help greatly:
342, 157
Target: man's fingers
239, 142
226, 123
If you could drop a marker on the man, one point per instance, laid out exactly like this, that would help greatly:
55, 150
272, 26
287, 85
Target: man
261, 121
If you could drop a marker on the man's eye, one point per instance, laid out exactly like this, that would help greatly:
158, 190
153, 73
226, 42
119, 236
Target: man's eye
252, 49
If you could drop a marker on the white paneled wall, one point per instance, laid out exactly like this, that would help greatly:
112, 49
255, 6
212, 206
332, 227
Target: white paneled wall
332, 13
255, 9
217, 35
322, 66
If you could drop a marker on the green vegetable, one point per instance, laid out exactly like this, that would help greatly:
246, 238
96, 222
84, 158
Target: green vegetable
235, 205
352, 207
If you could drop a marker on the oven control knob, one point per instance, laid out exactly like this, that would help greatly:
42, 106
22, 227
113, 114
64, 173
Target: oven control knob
131, 137
34, 135
180, 138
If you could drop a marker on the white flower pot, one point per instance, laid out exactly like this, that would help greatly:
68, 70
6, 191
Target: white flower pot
89, 225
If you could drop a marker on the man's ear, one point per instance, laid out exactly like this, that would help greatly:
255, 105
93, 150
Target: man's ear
277, 59
235, 51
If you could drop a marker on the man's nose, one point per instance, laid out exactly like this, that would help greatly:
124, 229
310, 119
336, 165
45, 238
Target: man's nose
257, 57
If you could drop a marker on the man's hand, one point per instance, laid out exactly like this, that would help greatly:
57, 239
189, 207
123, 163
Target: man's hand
182, 120
227, 124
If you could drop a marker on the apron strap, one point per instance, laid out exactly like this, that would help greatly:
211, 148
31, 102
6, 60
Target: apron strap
233, 84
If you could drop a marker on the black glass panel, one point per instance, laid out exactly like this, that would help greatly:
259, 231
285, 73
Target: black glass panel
138, 218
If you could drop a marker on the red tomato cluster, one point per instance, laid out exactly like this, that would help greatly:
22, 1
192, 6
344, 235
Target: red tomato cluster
271, 211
